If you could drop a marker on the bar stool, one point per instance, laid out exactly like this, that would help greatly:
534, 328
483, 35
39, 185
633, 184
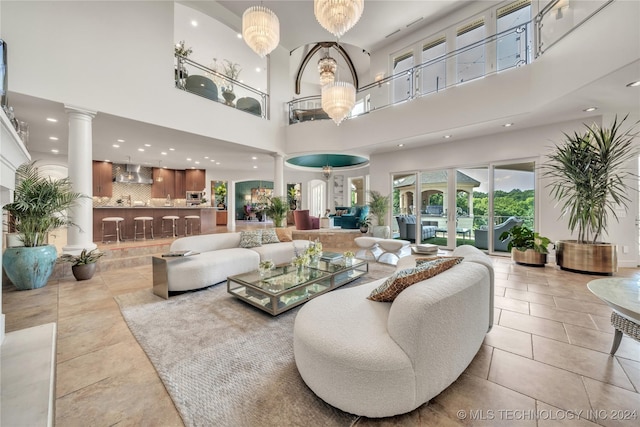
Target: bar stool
118, 232
144, 220
173, 220
189, 220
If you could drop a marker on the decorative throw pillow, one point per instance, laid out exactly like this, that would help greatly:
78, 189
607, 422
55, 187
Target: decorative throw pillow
402, 279
284, 234
426, 260
269, 236
251, 238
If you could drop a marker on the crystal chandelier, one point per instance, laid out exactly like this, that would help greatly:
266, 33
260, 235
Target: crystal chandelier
338, 98
326, 171
338, 16
260, 30
327, 67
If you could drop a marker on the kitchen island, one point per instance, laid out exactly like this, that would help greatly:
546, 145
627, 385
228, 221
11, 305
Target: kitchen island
207, 219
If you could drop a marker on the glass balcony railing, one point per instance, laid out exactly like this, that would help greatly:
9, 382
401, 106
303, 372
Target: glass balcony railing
508, 49
200, 80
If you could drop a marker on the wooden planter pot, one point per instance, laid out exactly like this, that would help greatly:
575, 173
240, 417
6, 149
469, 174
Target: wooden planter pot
528, 257
599, 258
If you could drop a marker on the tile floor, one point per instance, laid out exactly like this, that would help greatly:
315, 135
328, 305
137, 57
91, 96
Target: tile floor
545, 363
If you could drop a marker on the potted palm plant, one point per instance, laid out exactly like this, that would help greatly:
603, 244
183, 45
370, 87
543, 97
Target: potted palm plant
526, 246
277, 208
379, 206
83, 265
40, 205
590, 176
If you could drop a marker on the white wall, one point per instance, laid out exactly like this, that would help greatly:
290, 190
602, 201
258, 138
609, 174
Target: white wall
117, 58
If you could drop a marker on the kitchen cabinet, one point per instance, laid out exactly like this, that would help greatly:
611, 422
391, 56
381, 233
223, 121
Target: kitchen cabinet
164, 184
180, 184
102, 179
195, 179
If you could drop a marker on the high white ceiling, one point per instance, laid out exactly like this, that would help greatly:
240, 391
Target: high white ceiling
298, 27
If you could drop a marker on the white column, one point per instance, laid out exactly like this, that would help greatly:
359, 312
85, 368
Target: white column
81, 176
231, 205
278, 177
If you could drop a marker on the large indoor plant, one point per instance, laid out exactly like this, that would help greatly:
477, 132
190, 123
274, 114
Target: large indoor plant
526, 246
40, 205
83, 266
276, 209
379, 206
589, 176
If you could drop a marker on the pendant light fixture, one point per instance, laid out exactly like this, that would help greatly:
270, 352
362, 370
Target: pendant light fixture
260, 30
338, 16
327, 67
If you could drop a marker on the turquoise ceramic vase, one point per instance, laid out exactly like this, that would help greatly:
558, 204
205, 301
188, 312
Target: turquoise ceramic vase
29, 267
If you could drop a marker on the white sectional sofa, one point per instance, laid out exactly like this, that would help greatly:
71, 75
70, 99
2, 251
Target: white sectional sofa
220, 256
380, 359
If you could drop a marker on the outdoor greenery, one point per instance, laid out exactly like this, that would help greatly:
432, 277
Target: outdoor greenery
40, 205
379, 205
589, 177
523, 238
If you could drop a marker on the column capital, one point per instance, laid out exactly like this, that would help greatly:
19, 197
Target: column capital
79, 110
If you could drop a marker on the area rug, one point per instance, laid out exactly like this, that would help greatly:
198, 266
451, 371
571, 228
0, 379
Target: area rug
226, 363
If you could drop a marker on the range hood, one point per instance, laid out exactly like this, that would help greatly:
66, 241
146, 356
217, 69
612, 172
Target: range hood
132, 175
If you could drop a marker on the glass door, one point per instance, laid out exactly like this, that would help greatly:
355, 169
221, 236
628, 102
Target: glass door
471, 205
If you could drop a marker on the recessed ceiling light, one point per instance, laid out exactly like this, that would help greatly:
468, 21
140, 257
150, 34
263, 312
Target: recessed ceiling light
120, 140
206, 157
140, 149
217, 163
164, 153
634, 84
115, 146
447, 136
188, 159
507, 125
239, 35
147, 145
254, 158
400, 145
255, 167
590, 109
172, 149
53, 138
197, 162
194, 23
52, 120
258, 69
193, 167
212, 160
55, 151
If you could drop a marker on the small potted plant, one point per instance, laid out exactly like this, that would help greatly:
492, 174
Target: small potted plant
265, 267
527, 247
364, 224
83, 265
349, 256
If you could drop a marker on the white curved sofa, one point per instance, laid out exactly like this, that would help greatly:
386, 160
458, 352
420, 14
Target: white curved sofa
382, 359
220, 256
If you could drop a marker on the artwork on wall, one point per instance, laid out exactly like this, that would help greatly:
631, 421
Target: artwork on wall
338, 190
258, 194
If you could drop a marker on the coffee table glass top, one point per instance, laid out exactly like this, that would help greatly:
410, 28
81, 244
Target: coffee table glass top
281, 279
336, 266
621, 294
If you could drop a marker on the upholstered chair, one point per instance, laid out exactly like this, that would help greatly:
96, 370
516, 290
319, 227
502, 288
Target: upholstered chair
203, 86
305, 222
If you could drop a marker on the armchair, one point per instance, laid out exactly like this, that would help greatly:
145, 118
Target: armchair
202, 86
305, 222
482, 239
407, 228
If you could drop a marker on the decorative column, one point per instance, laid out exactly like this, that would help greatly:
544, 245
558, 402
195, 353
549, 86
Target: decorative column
231, 206
81, 176
278, 178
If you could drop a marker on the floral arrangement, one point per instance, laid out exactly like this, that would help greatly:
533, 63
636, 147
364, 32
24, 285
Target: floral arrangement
314, 249
301, 260
179, 49
349, 254
267, 264
230, 69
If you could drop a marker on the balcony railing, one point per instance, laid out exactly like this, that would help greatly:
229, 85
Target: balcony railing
499, 52
200, 80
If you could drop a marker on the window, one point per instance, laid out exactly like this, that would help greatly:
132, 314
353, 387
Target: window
402, 85
471, 59
513, 46
433, 75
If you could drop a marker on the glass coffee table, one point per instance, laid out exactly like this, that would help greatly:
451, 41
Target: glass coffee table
286, 287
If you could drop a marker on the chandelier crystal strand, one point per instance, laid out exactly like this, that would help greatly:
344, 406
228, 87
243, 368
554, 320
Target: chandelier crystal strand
327, 67
338, 16
260, 30
338, 98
